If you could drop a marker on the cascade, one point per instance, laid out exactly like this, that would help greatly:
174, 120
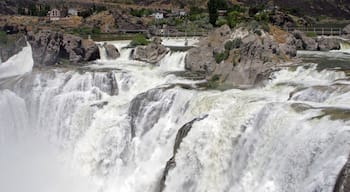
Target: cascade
344, 46
126, 127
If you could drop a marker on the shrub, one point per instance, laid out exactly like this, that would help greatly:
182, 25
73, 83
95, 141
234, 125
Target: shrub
233, 18
258, 32
311, 34
213, 82
221, 22
3, 37
228, 45
234, 44
139, 40
221, 56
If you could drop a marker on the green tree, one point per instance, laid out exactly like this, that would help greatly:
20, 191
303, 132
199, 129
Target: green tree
213, 11
213, 6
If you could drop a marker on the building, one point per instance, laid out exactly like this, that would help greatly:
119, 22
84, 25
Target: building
182, 13
72, 12
222, 12
158, 15
54, 14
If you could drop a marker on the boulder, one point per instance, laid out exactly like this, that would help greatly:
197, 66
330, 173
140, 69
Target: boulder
346, 30
91, 51
49, 47
328, 43
304, 42
246, 64
111, 51
151, 53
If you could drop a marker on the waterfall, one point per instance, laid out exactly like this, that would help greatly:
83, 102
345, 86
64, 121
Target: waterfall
173, 61
103, 54
122, 48
131, 128
18, 64
345, 47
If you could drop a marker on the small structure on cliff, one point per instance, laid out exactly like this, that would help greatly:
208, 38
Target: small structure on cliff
54, 15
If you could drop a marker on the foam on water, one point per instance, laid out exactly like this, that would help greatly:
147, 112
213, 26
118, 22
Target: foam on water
18, 64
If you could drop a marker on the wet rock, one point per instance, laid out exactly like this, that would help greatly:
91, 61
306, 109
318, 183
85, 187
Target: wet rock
111, 51
306, 43
147, 108
181, 134
328, 43
151, 53
346, 30
318, 93
343, 180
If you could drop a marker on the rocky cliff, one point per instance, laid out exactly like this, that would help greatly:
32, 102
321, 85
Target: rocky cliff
316, 8
50, 47
243, 57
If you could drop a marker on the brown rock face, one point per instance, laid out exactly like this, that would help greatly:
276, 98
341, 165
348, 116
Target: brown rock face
48, 47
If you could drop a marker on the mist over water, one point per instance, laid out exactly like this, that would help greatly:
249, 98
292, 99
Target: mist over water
112, 127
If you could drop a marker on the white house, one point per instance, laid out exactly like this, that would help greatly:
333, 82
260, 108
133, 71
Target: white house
54, 14
159, 15
182, 13
72, 12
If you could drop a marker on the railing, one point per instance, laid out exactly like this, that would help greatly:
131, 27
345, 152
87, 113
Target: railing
328, 31
180, 34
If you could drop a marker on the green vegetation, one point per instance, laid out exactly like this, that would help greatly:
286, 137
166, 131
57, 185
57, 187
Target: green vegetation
141, 12
214, 81
234, 17
34, 10
92, 10
311, 34
234, 44
3, 37
221, 56
84, 31
213, 7
139, 40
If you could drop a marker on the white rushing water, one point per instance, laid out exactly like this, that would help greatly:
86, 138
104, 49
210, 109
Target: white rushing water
112, 127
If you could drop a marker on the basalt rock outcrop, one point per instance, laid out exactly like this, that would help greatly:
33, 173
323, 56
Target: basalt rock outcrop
138, 111
321, 43
50, 47
111, 51
328, 43
181, 134
151, 53
343, 180
243, 57
304, 42
346, 30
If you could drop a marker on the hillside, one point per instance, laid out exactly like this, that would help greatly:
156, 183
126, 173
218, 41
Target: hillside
315, 8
